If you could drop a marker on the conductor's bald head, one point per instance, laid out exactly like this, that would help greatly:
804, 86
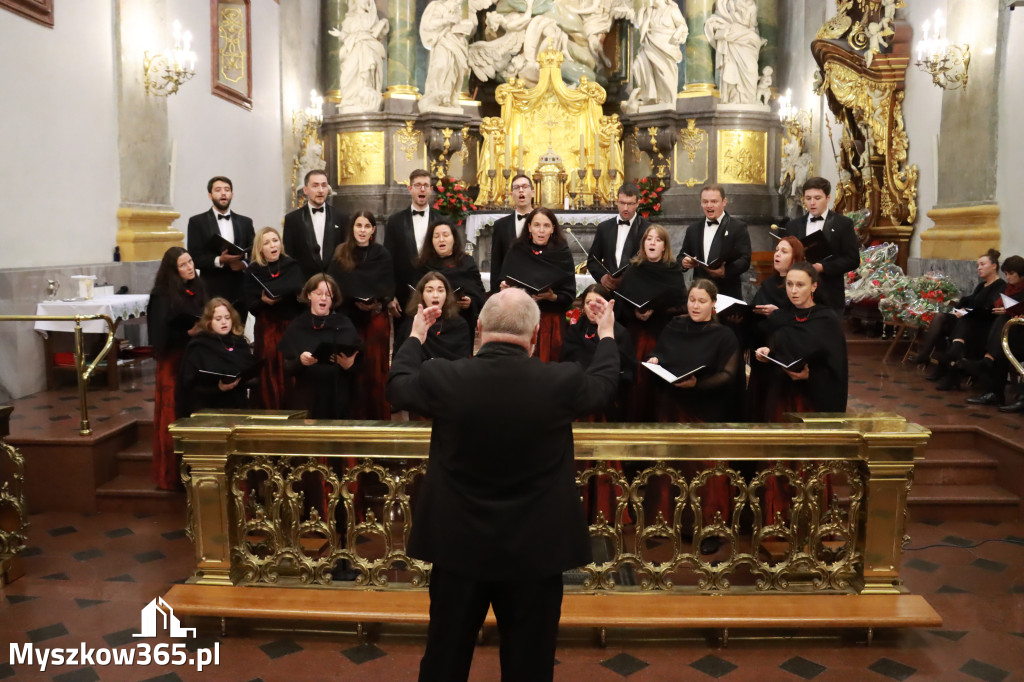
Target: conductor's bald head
509, 315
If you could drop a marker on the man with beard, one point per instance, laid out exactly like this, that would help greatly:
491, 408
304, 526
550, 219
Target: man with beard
403, 238
508, 228
221, 271
313, 231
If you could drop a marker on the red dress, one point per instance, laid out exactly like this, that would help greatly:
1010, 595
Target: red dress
166, 470
371, 382
268, 332
549, 338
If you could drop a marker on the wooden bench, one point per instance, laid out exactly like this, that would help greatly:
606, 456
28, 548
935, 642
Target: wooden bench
603, 610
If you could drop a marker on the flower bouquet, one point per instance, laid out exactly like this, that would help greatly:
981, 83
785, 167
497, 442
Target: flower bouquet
452, 201
651, 189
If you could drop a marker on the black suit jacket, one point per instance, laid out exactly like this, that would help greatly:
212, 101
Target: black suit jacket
219, 281
731, 244
504, 232
400, 241
602, 250
842, 238
300, 239
499, 499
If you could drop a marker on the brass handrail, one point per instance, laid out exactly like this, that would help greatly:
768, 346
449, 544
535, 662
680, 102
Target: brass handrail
82, 373
1006, 344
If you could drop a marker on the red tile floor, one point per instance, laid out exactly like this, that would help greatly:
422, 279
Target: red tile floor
88, 575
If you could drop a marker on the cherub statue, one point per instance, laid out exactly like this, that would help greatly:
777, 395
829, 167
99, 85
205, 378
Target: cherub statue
764, 85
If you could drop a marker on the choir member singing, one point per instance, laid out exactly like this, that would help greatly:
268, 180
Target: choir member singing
449, 337
365, 273
218, 363
271, 291
319, 348
505, 229
540, 262
651, 292
175, 303
444, 251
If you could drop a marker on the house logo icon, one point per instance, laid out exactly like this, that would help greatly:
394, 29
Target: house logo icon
158, 608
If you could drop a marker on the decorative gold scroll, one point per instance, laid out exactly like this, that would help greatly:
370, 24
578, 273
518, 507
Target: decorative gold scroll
691, 155
743, 157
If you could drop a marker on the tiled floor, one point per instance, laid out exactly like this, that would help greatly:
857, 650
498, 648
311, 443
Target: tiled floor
87, 577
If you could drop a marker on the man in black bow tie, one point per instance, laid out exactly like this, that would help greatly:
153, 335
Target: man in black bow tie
616, 240
718, 245
838, 231
221, 271
507, 228
404, 235
312, 232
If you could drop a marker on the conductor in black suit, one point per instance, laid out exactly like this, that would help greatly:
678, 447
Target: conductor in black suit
618, 239
221, 272
841, 237
313, 231
403, 238
717, 237
508, 228
499, 514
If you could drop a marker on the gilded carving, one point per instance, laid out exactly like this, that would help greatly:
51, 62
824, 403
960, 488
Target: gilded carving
361, 158
693, 141
231, 30
743, 157
407, 139
13, 510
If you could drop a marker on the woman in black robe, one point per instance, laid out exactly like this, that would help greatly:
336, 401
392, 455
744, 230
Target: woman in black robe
444, 251
697, 341
216, 353
365, 273
175, 303
449, 338
270, 291
539, 261
651, 293
319, 349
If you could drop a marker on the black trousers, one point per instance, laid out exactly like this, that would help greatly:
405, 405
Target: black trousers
527, 612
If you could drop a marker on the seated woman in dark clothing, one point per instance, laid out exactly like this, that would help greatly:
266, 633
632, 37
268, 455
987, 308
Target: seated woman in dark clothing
991, 370
214, 371
443, 251
319, 348
449, 338
966, 327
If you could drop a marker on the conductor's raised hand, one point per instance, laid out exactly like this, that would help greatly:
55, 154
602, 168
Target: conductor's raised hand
606, 321
424, 320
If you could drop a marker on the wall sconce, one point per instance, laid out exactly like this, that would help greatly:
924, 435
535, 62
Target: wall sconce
310, 117
796, 121
946, 62
166, 71
310, 154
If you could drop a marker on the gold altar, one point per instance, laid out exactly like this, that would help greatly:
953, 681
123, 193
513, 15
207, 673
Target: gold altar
551, 129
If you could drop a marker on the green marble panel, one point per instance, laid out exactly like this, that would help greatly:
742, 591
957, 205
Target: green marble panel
700, 60
768, 26
402, 40
334, 14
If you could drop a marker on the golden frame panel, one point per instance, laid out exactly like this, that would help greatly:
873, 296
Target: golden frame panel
361, 158
231, 51
688, 153
742, 157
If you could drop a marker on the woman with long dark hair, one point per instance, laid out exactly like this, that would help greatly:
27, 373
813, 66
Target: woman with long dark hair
213, 370
175, 304
449, 338
444, 251
364, 271
271, 289
540, 262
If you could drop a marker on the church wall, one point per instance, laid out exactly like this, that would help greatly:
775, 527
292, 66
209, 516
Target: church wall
211, 136
1010, 172
300, 73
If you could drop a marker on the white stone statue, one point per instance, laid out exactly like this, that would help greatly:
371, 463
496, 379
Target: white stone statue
362, 57
732, 32
445, 32
764, 86
663, 31
501, 54
543, 33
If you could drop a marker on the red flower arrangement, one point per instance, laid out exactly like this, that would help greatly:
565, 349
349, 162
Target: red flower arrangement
651, 190
452, 201
573, 315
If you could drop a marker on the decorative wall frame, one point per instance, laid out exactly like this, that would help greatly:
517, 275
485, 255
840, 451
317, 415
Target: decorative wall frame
231, 51
39, 11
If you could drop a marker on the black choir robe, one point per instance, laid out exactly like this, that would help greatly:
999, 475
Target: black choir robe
503, 234
461, 272
448, 339
579, 343
324, 389
552, 266
845, 246
731, 245
282, 279
299, 238
228, 354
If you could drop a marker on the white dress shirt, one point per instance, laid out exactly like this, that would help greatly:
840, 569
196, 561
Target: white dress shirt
319, 221
817, 224
620, 239
226, 229
709, 236
419, 226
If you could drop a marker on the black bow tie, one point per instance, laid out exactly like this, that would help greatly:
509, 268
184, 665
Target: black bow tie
815, 219
423, 212
623, 222
520, 216
223, 217
712, 222
317, 210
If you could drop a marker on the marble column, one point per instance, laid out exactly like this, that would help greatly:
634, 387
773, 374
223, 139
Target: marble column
402, 41
145, 214
966, 216
768, 26
334, 14
700, 58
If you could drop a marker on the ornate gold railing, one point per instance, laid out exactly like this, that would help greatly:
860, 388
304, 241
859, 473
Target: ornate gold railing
83, 371
329, 503
1012, 322
13, 510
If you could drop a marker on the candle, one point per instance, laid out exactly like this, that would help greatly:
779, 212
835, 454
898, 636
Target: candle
521, 166
508, 151
597, 148
583, 153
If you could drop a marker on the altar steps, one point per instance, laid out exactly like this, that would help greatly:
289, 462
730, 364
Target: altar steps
131, 488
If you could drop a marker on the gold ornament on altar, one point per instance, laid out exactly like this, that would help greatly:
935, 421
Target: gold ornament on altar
545, 123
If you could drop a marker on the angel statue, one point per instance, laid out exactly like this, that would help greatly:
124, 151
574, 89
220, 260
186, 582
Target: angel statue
445, 32
732, 32
663, 31
362, 57
501, 53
